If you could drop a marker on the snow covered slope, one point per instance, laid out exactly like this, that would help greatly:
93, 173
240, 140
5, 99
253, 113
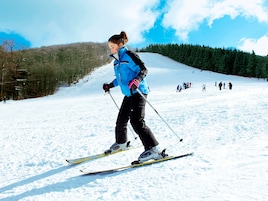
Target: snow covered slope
227, 130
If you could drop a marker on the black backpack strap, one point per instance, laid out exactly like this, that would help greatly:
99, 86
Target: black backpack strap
135, 57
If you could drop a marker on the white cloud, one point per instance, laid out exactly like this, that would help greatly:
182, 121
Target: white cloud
248, 9
260, 46
186, 15
57, 22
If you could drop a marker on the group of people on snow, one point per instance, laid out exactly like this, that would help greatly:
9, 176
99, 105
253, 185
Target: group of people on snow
185, 85
222, 85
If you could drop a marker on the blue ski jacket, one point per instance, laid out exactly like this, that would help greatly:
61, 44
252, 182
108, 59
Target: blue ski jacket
127, 66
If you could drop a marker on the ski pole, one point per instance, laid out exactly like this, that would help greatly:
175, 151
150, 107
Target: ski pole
158, 114
118, 109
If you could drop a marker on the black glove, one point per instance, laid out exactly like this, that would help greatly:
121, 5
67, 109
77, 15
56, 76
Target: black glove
106, 87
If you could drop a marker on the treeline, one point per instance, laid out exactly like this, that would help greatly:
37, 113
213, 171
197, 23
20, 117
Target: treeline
226, 61
29, 73
41, 71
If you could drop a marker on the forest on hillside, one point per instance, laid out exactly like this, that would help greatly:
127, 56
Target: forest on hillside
37, 72
221, 60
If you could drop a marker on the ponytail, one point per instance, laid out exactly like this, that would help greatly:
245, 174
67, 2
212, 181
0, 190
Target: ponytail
119, 38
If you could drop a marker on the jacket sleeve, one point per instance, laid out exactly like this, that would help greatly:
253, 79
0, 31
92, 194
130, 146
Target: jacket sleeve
136, 59
115, 83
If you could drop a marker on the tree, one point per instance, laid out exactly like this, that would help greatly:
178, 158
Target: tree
228, 61
252, 64
41, 71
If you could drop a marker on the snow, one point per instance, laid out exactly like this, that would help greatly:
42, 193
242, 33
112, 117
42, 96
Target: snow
226, 130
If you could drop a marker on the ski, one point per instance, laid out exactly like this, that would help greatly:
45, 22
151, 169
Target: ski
135, 164
76, 161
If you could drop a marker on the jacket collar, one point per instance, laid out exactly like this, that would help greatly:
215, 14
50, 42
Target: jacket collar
120, 53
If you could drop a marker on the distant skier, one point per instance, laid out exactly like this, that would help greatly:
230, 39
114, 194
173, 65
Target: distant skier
220, 85
179, 88
230, 85
130, 74
203, 87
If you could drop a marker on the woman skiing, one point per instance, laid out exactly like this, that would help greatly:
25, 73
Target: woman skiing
130, 74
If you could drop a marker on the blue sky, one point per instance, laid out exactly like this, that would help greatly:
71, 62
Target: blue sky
216, 23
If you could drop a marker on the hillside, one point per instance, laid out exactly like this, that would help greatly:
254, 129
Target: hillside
37, 72
226, 130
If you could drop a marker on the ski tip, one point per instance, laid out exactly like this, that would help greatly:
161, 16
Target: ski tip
108, 152
71, 162
135, 162
190, 154
68, 161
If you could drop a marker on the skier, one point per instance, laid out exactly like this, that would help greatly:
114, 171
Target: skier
220, 85
230, 85
130, 74
179, 88
203, 87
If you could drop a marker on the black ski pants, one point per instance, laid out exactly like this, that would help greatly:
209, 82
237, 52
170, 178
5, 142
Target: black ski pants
133, 109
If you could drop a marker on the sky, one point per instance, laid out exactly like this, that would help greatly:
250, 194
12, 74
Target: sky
216, 23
